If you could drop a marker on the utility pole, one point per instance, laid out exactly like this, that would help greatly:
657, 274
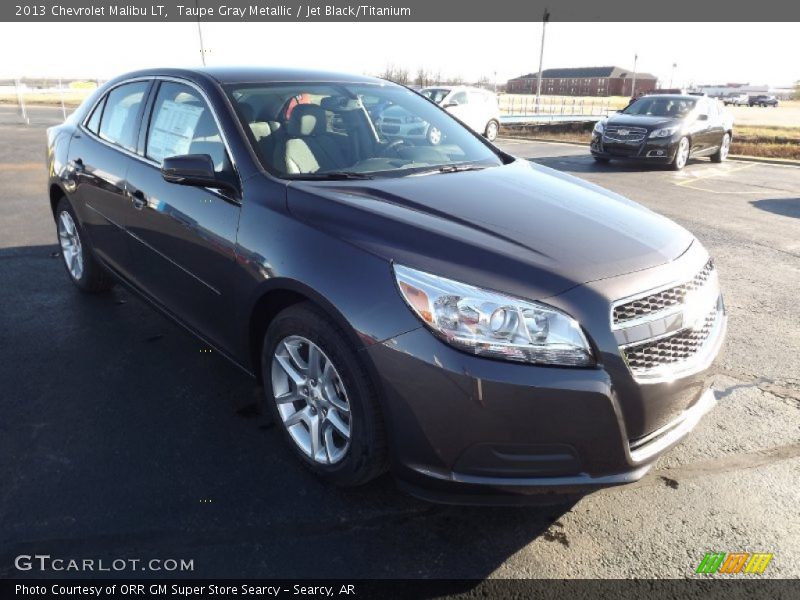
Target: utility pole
545, 19
200, 33
633, 83
672, 74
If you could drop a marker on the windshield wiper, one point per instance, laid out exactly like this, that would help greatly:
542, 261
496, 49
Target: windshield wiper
459, 168
334, 175
447, 169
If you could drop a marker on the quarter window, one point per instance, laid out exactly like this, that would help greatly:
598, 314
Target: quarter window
120, 120
93, 123
182, 123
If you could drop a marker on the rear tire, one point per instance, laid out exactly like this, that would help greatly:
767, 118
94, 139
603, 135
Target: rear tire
724, 148
434, 136
79, 261
321, 399
492, 128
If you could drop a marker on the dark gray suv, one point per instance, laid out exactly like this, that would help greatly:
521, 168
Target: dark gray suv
486, 327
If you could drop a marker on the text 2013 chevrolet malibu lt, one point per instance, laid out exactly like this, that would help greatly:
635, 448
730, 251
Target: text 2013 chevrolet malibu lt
485, 327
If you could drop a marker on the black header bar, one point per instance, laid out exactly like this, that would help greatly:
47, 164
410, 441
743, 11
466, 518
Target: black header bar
403, 10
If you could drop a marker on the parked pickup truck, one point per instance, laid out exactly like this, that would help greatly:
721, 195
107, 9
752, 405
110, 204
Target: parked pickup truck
736, 100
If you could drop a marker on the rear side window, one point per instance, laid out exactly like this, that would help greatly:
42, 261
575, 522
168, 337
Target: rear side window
459, 98
93, 124
120, 121
182, 123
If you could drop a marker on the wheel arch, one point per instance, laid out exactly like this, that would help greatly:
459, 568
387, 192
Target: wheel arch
56, 192
277, 295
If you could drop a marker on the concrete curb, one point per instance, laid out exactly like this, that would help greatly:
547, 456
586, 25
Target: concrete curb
785, 162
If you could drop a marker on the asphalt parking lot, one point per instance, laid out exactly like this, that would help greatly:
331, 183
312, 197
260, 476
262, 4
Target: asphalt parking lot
120, 438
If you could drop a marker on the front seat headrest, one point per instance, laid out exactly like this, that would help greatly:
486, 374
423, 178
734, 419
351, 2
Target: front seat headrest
306, 119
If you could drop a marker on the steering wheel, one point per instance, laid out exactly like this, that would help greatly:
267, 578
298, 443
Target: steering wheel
393, 146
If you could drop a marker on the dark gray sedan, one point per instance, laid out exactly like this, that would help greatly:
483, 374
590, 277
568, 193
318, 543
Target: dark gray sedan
485, 327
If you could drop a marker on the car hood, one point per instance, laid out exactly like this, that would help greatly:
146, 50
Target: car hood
521, 228
649, 122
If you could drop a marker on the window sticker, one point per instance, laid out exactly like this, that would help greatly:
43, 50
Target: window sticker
173, 130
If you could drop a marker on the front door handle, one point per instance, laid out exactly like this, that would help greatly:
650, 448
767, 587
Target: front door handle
138, 199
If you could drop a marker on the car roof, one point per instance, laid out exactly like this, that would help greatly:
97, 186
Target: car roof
673, 96
233, 75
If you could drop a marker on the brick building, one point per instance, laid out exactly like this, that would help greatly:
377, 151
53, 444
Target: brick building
583, 81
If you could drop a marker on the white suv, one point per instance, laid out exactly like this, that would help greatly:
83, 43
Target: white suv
476, 108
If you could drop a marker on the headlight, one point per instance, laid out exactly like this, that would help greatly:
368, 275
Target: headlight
666, 132
490, 324
599, 127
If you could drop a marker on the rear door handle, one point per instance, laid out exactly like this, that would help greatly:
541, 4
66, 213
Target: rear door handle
138, 199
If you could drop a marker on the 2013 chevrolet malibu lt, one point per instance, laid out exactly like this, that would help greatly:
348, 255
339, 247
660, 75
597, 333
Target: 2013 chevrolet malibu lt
486, 327
666, 129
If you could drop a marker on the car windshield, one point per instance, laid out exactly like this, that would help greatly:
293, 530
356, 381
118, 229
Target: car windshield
435, 94
661, 107
338, 131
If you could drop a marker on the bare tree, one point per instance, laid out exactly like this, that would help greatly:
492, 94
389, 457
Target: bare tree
423, 77
396, 74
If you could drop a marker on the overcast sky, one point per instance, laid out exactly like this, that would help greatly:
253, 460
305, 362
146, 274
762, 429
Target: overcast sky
757, 53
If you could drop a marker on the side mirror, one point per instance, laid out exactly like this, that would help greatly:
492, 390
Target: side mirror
450, 105
192, 169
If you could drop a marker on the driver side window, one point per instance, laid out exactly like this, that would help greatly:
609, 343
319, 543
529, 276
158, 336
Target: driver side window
182, 123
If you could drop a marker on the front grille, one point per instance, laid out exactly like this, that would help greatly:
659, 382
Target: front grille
619, 133
661, 300
675, 348
672, 331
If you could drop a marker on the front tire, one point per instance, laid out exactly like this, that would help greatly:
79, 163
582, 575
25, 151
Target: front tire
322, 398
492, 128
81, 265
681, 154
724, 148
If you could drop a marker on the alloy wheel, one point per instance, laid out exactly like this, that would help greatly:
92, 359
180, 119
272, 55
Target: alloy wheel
491, 131
683, 153
71, 248
726, 146
311, 400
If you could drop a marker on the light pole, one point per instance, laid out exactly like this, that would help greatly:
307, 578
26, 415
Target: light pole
200, 33
633, 83
672, 74
545, 19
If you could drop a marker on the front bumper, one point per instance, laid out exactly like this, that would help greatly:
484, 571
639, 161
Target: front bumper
466, 429
652, 150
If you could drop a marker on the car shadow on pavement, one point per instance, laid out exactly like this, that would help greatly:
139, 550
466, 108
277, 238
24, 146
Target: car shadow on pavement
787, 207
586, 164
125, 437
